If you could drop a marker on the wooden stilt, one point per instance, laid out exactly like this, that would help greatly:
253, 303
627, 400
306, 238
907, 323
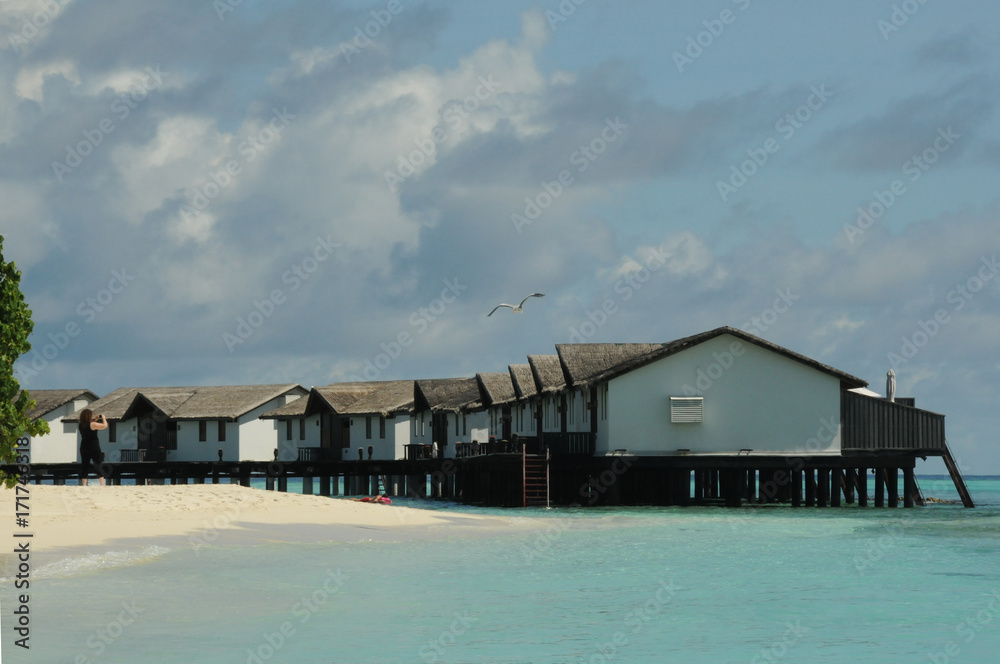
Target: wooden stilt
730, 486
880, 487
796, 488
909, 487
699, 485
836, 486
324, 485
862, 486
823, 487
892, 484
810, 487
956, 477
850, 480
283, 484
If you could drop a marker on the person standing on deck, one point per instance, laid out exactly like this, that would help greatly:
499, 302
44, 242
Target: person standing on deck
90, 446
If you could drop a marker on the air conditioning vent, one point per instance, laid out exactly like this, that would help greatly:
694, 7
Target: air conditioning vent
686, 410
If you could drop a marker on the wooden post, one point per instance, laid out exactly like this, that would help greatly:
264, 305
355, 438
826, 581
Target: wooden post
269, 483
731, 486
892, 484
307, 485
862, 479
324, 484
836, 486
699, 485
283, 483
810, 487
823, 486
909, 487
880, 487
200, 479
335, 485
850, 479
796, 476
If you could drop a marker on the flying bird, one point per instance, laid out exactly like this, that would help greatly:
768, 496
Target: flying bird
516, 309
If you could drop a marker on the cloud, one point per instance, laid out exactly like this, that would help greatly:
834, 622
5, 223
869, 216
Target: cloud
908, 127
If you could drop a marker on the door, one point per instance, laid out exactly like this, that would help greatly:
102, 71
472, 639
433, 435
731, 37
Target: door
152, 437
325, 430
439, 428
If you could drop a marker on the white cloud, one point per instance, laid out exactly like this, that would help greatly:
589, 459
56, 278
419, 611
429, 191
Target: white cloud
31, 80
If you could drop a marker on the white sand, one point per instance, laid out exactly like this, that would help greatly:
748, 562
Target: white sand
75, 516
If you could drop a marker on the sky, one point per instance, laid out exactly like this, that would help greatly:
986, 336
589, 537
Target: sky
215, 193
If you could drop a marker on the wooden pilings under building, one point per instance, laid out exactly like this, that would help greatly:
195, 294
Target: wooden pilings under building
500, 479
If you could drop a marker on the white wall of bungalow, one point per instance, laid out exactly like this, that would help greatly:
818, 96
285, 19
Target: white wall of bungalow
293, 433
522, 419
247, 438
62, 443
387, 436
462, 427
753, 398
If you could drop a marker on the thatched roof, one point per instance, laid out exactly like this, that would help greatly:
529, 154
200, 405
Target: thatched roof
47, 401
497, 387
523, 380
112, 405
548, 373
335, 397
388, 398
591, 373
448, 394
292, 409
581, 362
227, 402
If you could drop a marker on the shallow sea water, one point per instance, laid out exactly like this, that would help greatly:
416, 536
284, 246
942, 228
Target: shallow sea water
610, 585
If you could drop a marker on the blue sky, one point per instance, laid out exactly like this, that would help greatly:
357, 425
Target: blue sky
204, 196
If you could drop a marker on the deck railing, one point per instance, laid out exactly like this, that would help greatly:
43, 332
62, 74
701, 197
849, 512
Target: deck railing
313, 454
571, 443
874, 424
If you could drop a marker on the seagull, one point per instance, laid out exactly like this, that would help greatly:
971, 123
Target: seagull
516, 309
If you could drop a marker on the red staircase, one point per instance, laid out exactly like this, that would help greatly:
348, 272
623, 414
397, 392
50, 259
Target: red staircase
535, 478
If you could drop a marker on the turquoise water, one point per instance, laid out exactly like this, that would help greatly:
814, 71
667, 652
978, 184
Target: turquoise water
624, 585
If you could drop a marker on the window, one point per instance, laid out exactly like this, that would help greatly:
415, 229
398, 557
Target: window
302, 429
222, 431
202, 431
171, 441
288, 429
381, 426
112, 431
686, 410
368, 427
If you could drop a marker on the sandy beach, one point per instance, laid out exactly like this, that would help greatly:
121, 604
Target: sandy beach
95, 516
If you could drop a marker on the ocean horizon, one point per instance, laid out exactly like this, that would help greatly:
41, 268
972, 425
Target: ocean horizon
636, 584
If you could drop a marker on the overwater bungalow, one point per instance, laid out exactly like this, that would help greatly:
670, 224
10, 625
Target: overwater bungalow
61, 444
449, 413
190, 423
